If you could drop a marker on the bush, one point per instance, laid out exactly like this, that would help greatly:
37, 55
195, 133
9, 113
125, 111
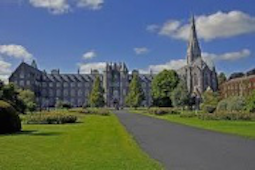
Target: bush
251, 103
9, 119
162, 111
222, 105
228, 116
236, 104
232, 104
210, 101
50, 118
96, 111
63, 105
188, 115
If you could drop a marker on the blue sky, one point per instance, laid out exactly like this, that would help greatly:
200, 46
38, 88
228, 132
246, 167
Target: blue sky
68, 34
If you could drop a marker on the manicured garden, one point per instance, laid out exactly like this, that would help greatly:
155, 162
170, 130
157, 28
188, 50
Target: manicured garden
236, 127
95, 141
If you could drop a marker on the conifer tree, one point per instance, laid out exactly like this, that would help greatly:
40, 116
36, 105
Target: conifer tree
96, 98
180, 95
136, 94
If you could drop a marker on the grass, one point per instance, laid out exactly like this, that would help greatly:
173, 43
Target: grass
97, 142
241, 128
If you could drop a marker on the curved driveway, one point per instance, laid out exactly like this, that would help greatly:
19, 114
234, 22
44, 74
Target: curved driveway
180, 147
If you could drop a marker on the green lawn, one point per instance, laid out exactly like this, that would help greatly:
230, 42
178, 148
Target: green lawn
241, 128
97, 142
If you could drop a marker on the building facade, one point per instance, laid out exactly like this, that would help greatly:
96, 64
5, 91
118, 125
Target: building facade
239, 84
75, 88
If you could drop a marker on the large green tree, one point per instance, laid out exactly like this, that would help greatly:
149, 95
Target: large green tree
180, 95
221, 78
9, 93
96, 98
135, 95
162, 87
28, 97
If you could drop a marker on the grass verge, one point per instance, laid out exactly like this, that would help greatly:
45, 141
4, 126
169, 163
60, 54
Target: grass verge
97, 142
241, 128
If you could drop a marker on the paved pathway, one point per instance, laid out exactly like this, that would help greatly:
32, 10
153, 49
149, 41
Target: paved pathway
180, 147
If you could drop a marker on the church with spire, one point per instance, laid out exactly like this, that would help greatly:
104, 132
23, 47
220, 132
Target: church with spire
199, 73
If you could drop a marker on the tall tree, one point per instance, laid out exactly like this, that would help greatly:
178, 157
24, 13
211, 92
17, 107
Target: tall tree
162, 87
136, 94
96, 98
9, 93
180, 95
28, 98
221, 78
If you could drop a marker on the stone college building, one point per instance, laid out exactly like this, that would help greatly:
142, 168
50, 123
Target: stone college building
75, 88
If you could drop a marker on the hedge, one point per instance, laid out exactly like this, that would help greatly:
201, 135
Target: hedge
9, 119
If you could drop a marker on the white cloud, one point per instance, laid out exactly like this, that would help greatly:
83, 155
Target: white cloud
209, 27
141, 50
16, 51
86, 68
210, 58
89, 55
152, 28
54, 6
64, 6
230, 56
171, 65
5, 70
90, 4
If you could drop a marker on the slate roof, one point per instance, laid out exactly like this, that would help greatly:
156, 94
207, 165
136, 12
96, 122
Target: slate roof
68, 77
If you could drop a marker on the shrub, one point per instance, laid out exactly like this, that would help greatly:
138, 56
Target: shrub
236, 104
96, 111
251, 103
222, 105
162, 111
50, 118
232, 104
9, 119
188, 115
210, 101
228, 116
63, 105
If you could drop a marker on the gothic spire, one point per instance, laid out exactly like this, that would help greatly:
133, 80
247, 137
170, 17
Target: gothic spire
194, 51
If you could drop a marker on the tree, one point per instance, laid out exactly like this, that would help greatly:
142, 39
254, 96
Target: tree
28, 97
136, 94
251, 103
210, 101
9, 93
180, 95
96, 98
162, 87
221, 78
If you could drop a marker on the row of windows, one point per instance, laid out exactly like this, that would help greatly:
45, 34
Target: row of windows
239, 86
44, 84
65, 92
65, 84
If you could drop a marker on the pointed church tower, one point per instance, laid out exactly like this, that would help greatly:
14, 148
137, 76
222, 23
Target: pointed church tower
33, 64
194, 51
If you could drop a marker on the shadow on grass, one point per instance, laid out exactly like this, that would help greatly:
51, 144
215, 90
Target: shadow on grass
32, 133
